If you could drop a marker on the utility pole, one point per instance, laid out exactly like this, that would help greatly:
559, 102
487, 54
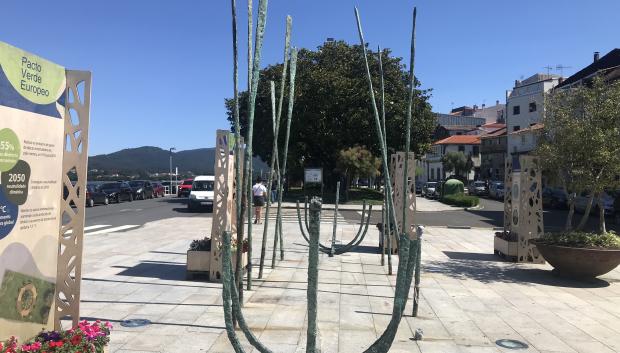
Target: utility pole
170, 175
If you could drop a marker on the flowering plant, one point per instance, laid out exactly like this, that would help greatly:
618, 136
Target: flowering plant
85, 338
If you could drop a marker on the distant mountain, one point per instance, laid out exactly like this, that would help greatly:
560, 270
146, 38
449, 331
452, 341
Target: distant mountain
156, 160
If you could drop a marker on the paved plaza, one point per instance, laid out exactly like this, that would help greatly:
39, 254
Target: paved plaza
469, 297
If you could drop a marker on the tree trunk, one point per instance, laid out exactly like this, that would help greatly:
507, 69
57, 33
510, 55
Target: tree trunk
586, 214
601, 215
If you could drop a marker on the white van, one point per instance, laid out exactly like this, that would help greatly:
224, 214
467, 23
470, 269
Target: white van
201, 194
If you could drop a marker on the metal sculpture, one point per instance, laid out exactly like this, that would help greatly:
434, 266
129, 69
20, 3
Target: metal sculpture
408, 249
289, 116
275, 165
335, 249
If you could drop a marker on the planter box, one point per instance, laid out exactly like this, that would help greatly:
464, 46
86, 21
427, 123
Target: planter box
505, 248
199, 263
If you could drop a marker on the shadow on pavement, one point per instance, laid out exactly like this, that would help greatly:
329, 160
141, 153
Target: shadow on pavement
161, 270
456, 255
487, 271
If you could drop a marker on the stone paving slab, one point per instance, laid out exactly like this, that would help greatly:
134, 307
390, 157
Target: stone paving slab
469, 297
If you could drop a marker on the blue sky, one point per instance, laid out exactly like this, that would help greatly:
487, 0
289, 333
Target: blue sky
161, 70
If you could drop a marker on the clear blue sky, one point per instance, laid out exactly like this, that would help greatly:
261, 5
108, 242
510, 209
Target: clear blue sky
161, 69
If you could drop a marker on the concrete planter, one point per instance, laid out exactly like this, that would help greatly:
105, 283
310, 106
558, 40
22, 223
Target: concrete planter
199, 263
579, 262
505, 247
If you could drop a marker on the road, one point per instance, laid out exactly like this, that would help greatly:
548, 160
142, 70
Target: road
130, 215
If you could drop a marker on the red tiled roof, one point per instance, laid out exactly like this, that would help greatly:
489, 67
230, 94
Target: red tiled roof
495, 133
460, 140
494, 125
530, 128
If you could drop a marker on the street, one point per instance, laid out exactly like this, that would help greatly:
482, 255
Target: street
130, 215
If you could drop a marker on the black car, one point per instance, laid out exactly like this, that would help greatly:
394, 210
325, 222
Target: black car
554, 198
119, 191
94, 195
142, 189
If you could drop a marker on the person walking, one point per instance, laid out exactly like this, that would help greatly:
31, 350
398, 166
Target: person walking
259, 193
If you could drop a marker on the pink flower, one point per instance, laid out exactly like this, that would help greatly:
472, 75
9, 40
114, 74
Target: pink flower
35, 346
108, 325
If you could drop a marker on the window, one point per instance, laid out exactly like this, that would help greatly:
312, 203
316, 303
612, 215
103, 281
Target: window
516, 128
461, 148
532, 107
476, 151
516, 110
523, 139
432, 173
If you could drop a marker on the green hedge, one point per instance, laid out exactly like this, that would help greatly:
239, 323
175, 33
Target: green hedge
461, 200
609, 240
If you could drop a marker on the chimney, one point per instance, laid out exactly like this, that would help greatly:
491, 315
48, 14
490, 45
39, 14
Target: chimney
497, 102
517, 83
483, 105
596, 56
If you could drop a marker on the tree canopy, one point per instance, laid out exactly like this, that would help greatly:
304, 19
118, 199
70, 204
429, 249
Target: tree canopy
580, 144
333, 111
457, 163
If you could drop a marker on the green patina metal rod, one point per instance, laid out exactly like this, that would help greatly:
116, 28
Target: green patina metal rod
291, 101
340, 249
386, 208
274, 151
227, 283
333, 248
408, 129
238, 147
405, 247
313, 274
260, 32
388, 180
231, 294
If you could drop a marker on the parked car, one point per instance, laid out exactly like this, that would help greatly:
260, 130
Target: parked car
94, 195
429, 190
158, 189
118, 191
185, 187
478, 188
554, 197
142, 189
496, 190
418, 187
201, 193
581, 202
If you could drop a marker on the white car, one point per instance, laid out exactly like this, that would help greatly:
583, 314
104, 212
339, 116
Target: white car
201, 194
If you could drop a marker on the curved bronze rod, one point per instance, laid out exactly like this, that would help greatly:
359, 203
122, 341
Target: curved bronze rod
339, 248
234, 296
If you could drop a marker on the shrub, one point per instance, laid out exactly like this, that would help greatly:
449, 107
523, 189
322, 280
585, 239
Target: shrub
460, 200
609, 240
201, 244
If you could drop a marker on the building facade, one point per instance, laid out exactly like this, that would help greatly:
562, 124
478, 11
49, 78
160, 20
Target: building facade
493, 150
525, 108
467, 144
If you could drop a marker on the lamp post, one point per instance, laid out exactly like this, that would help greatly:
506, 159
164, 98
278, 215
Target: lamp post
170, 175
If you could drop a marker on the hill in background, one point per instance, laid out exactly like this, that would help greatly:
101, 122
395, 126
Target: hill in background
151, 160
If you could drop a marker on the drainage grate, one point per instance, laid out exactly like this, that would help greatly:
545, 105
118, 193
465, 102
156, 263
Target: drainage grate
511, 344
135, 323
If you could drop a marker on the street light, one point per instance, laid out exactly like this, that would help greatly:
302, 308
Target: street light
170, 175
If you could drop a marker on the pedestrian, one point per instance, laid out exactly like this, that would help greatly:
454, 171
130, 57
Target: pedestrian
259, 193
274, 190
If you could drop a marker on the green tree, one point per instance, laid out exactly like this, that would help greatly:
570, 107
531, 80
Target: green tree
355, 162
580, 145
332, 111
457, 163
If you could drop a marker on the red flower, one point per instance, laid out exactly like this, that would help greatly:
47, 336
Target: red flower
56, 344
75, 340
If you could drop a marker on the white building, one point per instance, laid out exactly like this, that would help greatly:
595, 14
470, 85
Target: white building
432, 165
525, 108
